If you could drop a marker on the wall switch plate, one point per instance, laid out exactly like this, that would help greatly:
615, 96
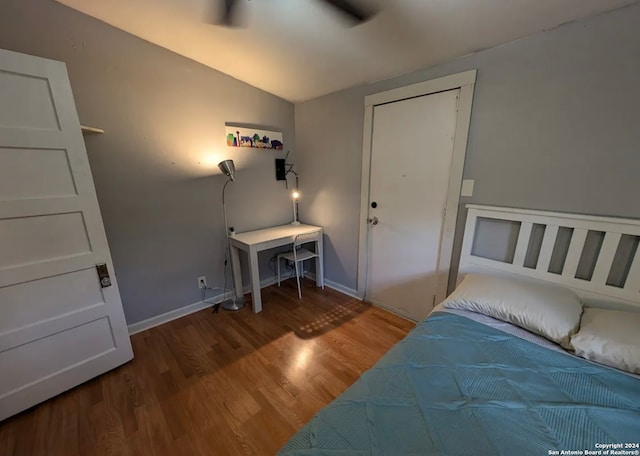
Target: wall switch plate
467, 187
202, 282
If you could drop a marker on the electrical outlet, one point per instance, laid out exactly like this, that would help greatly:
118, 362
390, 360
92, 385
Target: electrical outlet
202, 282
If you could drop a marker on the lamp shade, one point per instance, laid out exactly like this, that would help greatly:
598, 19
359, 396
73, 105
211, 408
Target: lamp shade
228, 169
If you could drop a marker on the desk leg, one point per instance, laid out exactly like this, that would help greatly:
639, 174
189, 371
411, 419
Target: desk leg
236, 272
255, 280
320, 263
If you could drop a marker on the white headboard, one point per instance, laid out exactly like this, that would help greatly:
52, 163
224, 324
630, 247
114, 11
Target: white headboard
613, 245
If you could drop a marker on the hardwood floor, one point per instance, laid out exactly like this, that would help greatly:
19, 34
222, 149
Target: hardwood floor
216, 384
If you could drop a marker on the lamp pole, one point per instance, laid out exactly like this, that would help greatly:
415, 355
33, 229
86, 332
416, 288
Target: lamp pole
228, 169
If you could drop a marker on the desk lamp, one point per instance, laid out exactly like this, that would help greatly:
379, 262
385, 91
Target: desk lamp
228, 169
295, 195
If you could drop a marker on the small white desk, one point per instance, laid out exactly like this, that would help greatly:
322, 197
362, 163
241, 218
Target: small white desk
253, 242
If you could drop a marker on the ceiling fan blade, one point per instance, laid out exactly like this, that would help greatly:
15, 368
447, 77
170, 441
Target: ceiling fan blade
228, 8
351, 10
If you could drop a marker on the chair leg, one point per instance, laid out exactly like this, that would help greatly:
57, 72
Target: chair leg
298, 280
278, 261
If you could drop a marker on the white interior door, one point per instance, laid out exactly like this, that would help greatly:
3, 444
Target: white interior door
411, 155
58, 327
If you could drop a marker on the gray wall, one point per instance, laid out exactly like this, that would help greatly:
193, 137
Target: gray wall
554, 126
155, 167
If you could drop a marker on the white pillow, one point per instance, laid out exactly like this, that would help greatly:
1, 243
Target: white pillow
609, 337
545, 309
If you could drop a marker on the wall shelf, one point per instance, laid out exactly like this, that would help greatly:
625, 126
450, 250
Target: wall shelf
91, 130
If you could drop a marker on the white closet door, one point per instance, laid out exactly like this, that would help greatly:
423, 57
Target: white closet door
411, 155
58, 326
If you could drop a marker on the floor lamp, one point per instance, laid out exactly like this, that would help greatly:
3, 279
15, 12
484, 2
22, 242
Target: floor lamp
228, 169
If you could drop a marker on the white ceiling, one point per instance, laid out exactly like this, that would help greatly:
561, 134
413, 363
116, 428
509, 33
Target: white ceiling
300, 49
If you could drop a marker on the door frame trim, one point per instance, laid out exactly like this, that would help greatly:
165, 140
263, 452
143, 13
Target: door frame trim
464, 81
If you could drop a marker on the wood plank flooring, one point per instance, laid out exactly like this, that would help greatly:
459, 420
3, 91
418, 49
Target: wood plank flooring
216, 384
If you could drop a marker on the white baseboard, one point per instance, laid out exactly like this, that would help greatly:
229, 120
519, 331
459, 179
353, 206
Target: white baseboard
166, 317
393, 310
335, 286
342, 289
354, 294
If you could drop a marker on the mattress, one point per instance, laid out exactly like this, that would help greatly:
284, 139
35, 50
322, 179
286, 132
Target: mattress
456, 386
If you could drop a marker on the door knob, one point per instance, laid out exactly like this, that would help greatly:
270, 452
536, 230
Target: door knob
372, 220
103, 275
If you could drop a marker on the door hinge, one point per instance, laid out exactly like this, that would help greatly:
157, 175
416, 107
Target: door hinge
103, 275
444, 212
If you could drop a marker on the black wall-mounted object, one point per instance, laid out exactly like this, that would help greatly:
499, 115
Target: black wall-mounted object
281, 173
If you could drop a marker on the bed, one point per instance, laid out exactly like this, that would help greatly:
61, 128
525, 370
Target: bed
466, 383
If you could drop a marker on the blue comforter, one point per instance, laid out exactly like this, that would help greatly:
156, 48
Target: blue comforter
457, 387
